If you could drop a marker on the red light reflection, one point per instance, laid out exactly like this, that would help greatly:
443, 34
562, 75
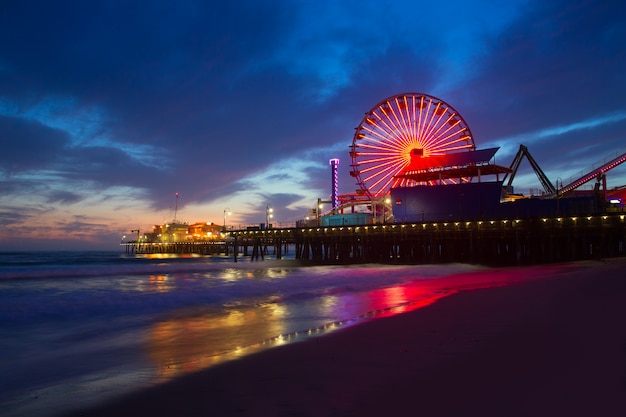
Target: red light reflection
188, 343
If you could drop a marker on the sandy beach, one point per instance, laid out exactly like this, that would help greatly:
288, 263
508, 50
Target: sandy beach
551, 344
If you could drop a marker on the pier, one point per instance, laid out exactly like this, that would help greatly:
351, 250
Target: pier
488, 242
426, 196
200, 248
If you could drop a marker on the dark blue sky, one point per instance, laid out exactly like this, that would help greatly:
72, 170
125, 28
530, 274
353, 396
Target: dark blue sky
107, 108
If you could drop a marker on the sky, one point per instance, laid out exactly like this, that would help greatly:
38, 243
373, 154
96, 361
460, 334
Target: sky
110, 108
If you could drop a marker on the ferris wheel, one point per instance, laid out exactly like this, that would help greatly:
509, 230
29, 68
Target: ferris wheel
399, 128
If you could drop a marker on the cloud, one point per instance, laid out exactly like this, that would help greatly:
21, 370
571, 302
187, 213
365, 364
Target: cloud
63, 197
28, 145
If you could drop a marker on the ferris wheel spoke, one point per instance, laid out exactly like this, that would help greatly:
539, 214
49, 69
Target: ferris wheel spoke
383, 180
383, 136
399, 135
414, 121
450, 136
434, 126
387, 131
381, 186
398, 124
454, 148
386, 148
380, 144
392, 129
405, 135
381, 148
427, 120
408, 121
445, 127
406, 128
372, 153
367, 155
387, 136
376, 144
420, 120
452, 141
381, 167
377, 161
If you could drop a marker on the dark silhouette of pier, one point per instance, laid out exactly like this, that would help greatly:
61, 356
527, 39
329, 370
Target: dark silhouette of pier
489, 242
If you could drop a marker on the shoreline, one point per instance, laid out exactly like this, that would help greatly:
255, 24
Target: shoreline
554, 344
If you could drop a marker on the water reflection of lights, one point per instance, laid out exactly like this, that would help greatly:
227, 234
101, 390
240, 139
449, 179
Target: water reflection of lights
190, 343
183, 344
160, 283
167, 255
234, 274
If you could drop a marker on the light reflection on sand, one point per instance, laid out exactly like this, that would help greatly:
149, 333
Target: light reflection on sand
189, 343
186, 344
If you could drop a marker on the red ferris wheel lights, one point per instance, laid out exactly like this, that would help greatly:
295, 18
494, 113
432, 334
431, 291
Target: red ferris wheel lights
391, 126
450, 139
377, 163
399, 128
387, 147
381, 166
433, 134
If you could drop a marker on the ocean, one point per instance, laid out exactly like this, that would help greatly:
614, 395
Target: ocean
78, 328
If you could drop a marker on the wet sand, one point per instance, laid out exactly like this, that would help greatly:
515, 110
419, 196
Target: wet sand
551, 344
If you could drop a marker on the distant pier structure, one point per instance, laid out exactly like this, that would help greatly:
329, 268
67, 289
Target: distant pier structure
137, 247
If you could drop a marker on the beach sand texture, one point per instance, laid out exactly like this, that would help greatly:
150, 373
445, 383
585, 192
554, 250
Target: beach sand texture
552, 345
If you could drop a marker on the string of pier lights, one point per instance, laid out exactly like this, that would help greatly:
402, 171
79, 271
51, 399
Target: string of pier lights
446, 224
436, 225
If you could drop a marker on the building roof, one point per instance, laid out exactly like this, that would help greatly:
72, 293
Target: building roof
453, 165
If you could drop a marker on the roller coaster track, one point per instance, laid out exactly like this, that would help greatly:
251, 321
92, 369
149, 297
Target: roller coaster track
593, 174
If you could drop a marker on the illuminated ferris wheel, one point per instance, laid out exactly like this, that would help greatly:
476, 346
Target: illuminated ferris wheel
399, 128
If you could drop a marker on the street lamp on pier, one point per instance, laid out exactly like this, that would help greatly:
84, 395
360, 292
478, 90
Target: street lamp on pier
227, 212
320, 206
268, 216
386, 209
